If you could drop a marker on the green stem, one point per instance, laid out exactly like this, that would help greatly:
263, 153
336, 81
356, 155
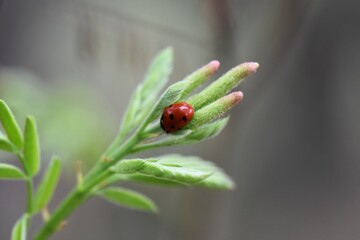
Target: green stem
29, 202
68, 205
79, 195
29, 188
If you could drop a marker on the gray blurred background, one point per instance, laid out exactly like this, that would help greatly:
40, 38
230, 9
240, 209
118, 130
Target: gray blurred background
292, 146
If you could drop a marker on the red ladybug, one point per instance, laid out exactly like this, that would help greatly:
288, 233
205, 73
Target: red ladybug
176, 116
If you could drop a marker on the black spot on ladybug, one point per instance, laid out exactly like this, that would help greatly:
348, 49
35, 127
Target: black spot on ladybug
176, 116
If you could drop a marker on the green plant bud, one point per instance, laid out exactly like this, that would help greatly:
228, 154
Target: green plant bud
200, 76
179, 90
214, 110
223, 85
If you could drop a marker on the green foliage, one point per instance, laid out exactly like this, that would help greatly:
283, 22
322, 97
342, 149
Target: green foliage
20, 228
129, 166
128, 198
170, 170
139, 131
8, 171
146, 93
174, 170
146, 179
223, 85
10, 125
5, 145
186, 137
173, 94
48, 184
31, 147
215, 109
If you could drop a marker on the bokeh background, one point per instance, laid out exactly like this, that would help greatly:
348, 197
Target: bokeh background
292, 146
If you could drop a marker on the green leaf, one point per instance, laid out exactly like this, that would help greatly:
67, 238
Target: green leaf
48, 184
186, 170
219, 180
204, 132
146, 93
223, 85
172, 171
189, 136
128, 122
157, 76
129, 166
214, 110
179, 90
10, 125
31, 147
5, 145
173, 94
8, 171
144, 179
128, 198
20, 228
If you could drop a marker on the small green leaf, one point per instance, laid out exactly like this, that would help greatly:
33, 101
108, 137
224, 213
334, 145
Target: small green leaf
20, 228
5, 145
173, 168
151, 180
146, 93
204, 132
128, 198
189, 136
128, 121
157, 76
48, 184
172, 94
10, 125
31, 147
8, 171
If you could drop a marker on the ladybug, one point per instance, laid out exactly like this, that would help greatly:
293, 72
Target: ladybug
176, 116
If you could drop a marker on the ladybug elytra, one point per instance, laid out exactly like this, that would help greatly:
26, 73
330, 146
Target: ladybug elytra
176, 116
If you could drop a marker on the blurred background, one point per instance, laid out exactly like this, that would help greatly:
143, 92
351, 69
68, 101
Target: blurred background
292, 145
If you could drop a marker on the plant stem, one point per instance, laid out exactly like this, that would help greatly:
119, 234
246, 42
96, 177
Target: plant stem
29, 188
68, 205
80, 194
29, 202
